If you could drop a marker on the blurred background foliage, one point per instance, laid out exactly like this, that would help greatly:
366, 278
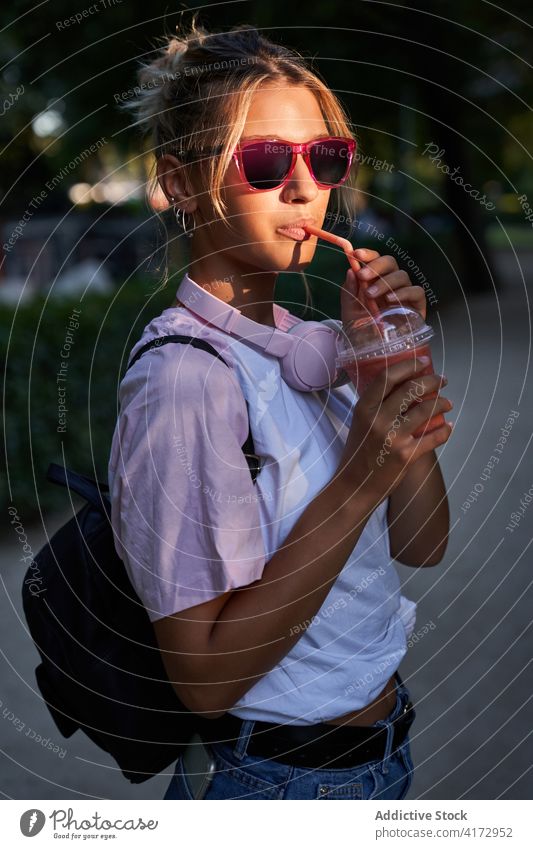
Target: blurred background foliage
410, 74
452, 73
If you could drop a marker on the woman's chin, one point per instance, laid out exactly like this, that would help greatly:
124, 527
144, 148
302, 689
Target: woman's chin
295, 258
297, 265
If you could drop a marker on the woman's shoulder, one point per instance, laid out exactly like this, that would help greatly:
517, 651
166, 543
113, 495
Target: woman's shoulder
176, 321
178, 369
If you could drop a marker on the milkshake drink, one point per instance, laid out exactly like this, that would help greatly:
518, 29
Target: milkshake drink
375, 343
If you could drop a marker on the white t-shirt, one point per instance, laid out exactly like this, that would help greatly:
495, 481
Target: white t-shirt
190, 524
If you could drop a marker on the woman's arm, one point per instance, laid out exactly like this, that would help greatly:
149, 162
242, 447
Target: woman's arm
418, 515
211, 664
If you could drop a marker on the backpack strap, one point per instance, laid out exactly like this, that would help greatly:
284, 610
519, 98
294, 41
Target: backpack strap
92, 490
164, 340
248, 448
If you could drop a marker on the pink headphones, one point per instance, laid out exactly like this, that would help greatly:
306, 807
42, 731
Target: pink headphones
307, 351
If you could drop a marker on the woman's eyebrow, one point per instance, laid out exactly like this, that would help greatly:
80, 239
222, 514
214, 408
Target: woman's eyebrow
325, 134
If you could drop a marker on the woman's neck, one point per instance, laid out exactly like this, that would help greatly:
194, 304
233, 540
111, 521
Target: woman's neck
252, 292
272, 323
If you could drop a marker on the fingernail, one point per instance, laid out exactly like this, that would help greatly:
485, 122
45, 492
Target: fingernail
425, 361
372, 290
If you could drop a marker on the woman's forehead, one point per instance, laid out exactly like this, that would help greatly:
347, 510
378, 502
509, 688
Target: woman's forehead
289, 112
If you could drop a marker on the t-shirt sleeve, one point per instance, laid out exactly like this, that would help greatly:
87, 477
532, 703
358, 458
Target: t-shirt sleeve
183, 504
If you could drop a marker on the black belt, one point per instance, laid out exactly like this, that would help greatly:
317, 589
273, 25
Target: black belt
311, 746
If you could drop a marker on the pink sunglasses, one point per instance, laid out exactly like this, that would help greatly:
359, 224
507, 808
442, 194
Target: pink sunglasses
267, 164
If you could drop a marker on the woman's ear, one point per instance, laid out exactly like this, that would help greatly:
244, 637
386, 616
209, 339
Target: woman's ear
172, 177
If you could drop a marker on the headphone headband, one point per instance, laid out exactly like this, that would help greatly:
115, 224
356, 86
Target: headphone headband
307, 351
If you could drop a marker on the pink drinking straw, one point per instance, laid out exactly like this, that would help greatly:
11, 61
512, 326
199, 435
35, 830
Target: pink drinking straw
348, 250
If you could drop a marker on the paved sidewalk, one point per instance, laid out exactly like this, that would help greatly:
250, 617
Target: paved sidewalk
470, 669
471, 675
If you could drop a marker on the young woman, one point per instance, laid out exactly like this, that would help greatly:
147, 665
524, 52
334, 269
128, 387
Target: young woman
275, 603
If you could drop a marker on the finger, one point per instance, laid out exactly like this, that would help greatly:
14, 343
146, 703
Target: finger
413, 295
378, 267
406, 293
365, 254
415, 447
385, 284
424, 444
412, 392
419, 414
393, 376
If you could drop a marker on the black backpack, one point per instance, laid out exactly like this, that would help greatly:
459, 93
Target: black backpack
101, 668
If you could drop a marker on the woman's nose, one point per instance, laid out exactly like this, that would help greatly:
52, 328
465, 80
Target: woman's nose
301, 183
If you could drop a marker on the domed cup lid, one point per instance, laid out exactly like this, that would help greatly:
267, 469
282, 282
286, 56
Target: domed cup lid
390, 332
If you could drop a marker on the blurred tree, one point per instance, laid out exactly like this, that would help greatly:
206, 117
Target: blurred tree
460, 69
454, 74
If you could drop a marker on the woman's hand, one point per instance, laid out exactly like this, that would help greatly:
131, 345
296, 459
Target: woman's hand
394, 287
381, 445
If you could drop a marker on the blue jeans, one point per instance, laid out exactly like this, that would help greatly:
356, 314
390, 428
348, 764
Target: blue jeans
241, 776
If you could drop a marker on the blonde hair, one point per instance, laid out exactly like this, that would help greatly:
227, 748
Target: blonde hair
197, 92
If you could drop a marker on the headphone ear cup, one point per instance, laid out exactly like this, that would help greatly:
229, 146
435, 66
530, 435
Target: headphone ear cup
310, 364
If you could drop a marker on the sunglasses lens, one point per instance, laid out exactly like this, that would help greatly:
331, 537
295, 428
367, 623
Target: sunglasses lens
330, 161
266, 164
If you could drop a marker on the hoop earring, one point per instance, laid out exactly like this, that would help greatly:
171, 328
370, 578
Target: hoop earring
181, 221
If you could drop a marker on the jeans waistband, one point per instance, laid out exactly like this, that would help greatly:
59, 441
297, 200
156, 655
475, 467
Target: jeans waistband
349, 734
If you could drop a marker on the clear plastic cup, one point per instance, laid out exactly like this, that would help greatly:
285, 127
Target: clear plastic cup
376, 343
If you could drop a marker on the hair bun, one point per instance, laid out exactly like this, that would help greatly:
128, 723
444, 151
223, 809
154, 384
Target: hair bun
176, 48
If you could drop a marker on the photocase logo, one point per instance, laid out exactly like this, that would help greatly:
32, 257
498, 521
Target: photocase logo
31, 822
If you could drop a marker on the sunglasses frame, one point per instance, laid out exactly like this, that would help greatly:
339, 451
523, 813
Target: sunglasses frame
296, 148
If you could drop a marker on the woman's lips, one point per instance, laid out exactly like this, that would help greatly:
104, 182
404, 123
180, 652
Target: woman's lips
296, 233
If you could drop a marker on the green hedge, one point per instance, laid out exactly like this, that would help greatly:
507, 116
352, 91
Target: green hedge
32, 340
